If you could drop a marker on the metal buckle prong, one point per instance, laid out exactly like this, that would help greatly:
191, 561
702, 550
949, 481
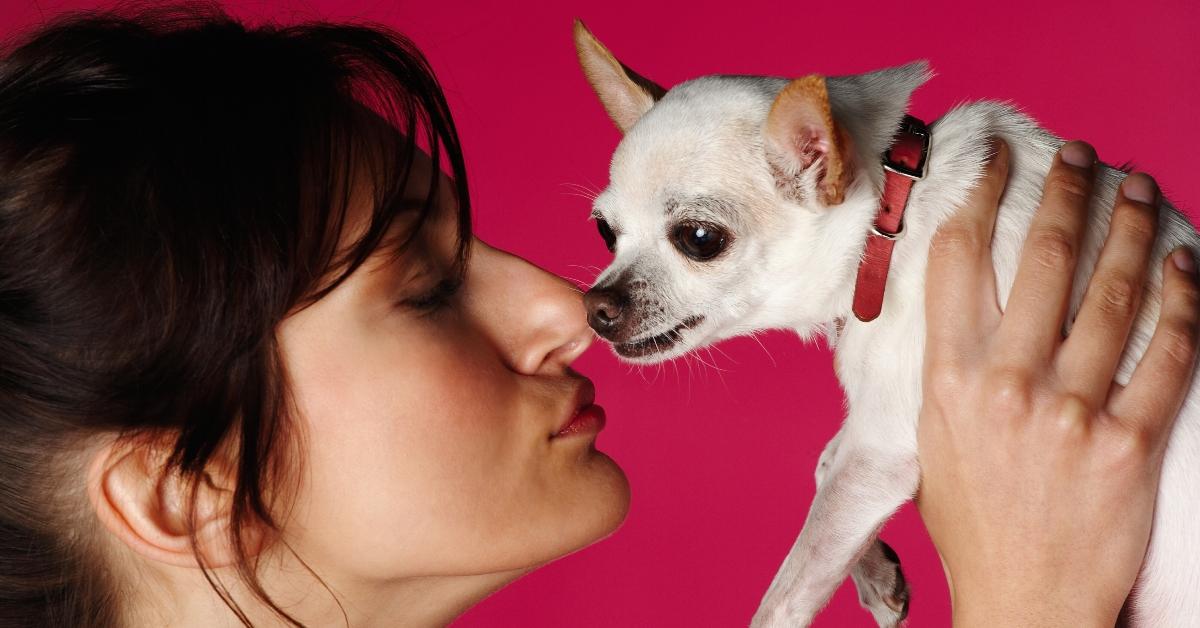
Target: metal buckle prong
914, 127
888, 235
900, 169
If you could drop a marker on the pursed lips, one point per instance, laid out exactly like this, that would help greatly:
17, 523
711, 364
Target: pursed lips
583, 401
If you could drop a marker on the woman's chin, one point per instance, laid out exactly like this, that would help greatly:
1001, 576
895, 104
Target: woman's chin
618, 489
597, 506
609, 498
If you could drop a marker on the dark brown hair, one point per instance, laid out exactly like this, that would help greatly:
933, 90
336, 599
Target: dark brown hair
173, 184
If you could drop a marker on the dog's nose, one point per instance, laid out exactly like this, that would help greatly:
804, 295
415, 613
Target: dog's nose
604, 308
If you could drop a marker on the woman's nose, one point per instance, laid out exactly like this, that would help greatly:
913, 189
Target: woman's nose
536, 318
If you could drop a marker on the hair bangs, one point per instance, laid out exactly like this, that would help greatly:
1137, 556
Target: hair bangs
394, 110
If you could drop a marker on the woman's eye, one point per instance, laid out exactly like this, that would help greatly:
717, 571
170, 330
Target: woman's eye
606, 232
437, 298
699, 241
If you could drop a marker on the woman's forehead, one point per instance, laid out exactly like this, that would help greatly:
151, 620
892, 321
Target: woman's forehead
392, 169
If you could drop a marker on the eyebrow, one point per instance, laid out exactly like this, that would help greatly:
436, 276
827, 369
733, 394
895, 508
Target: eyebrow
412, 247
399, 232
710, 207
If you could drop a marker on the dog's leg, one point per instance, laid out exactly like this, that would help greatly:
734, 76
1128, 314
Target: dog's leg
882, 588
859, 489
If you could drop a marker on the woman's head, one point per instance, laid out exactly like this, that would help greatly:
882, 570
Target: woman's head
241, 308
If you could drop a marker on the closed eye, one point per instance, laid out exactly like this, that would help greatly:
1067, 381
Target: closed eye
435, 299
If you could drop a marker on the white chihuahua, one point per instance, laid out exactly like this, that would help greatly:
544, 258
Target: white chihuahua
740, 203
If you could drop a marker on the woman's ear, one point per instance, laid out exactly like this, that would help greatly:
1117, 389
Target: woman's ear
805, 145
148, 507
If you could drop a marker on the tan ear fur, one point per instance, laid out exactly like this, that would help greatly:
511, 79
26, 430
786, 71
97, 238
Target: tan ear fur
625, 94
801, 131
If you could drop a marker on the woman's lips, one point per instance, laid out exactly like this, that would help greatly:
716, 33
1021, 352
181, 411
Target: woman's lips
588, 420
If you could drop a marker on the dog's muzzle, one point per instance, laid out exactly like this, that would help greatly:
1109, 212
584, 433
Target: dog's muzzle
609, 313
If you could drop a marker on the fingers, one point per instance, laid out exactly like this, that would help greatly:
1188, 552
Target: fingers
1033, 319
1089, 356
960, 261
1163, 375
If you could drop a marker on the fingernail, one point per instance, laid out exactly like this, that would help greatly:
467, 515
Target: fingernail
1141, 188
1078, 154
1183, 260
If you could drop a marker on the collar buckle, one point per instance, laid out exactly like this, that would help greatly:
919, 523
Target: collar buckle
906, 160
912, 130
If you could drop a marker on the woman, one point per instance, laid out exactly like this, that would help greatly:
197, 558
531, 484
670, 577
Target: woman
257, 370
243, 314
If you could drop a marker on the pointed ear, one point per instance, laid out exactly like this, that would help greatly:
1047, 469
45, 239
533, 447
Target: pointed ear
870, 106
625, 94
806, 148
149, 508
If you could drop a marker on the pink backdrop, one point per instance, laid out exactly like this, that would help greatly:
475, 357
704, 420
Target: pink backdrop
721, 460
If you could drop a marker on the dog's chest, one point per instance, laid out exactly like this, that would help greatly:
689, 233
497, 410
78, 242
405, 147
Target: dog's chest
879, 367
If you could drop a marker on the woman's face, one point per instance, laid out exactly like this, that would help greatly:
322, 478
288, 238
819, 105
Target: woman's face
429, 427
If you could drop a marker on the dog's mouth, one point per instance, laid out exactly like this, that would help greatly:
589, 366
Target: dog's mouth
658, 343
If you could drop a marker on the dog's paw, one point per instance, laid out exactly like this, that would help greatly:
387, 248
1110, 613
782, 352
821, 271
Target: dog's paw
882, 589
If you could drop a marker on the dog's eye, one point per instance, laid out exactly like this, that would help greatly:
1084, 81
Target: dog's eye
699, 241
606, 232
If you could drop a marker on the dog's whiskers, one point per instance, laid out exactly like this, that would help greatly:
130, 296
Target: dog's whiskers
754, 335
594, 270
578, 285
720, 372
712, 366
582, 191
579, 186
675, 366
711, 348
640, 371
688, 364
589, 198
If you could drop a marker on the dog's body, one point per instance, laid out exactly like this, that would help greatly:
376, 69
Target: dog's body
704, 159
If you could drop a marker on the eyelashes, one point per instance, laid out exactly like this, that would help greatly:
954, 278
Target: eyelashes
437, 298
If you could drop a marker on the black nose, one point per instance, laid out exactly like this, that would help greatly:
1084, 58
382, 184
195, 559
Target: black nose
604, 308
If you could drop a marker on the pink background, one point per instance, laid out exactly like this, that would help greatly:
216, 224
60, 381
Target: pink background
721, 461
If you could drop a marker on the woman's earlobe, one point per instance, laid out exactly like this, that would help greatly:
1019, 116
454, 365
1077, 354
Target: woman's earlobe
150, 508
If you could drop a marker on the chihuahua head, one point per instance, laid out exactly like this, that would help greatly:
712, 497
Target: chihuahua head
735, 203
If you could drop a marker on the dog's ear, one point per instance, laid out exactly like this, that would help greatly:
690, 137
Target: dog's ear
806, 148
625, 94
870, 106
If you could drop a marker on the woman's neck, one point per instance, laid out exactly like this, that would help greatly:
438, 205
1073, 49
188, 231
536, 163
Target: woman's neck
187, 600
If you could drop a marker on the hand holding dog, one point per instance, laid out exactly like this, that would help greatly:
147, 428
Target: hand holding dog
1039, 473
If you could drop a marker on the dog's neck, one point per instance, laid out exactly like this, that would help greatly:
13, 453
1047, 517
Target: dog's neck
850, 228
834, 241
956, 162
903, 164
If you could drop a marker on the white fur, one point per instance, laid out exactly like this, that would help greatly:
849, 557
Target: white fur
793, 266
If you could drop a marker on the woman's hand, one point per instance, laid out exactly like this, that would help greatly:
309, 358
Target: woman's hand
1039, 473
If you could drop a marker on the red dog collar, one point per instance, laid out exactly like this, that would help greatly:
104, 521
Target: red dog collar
903, 165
